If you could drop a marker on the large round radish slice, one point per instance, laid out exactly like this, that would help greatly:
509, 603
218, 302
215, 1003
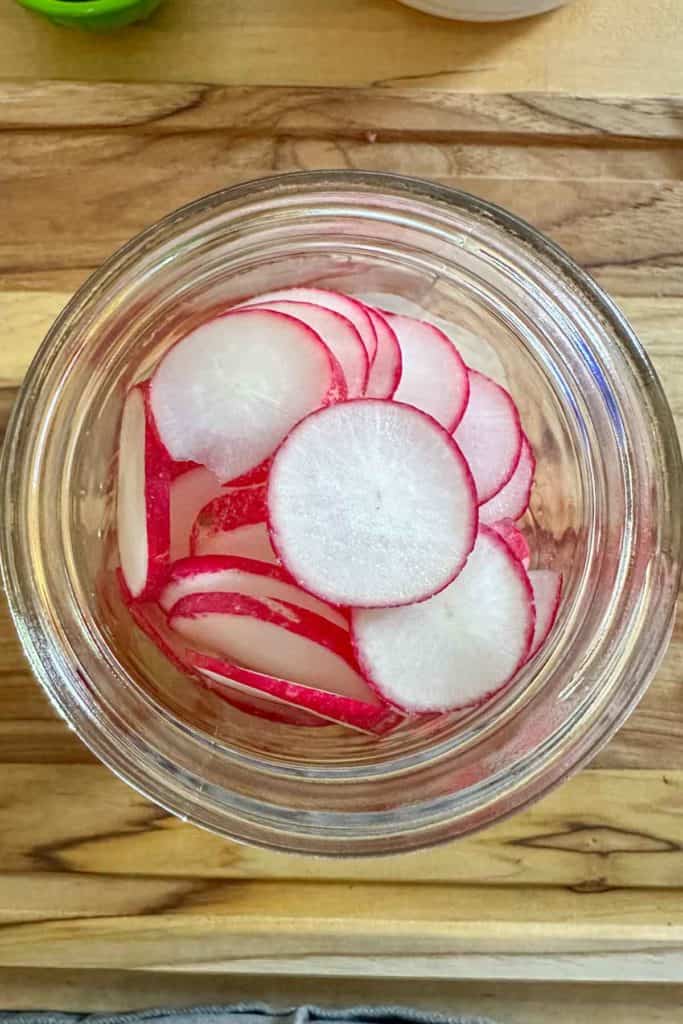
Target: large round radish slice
215, 573
547, 587
458, 648
142, 507
515, 540
350, 308
385, 371
433, 376
190, 492
371, 503
490, 435
227, 393
234, 524
274, 637
224, 678
340, 336
512, 500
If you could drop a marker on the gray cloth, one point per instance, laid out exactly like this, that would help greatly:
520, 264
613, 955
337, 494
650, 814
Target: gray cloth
248, 1013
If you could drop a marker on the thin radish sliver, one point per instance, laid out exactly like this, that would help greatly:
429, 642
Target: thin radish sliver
274, 637
226, 394
234, 523
385, 370
515, 540
489, 435
371, 503
143, 502
190, 492
547, 587
340, 336
433, 377
223, 677
242, 576
336, 301
458, 648
512, 500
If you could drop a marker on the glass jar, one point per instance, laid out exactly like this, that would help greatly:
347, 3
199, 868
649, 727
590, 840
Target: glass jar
605, 512
484, 10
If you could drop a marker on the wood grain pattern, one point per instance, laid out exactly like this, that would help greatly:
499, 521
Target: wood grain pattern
426, 931
584, 885
508, 1002
602, 830
598, 46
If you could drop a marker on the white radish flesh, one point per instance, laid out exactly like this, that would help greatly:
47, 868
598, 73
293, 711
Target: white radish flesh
512, 500
242, 576
371, 503
190, 492
547, 587
273, 637
385, 370
336, 301
224, 678
458, 648
143, 502
340, 336
433, 376
226, 395
489, 435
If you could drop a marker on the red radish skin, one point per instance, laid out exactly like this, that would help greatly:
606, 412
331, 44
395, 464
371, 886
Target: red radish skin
257, 475
352, 309
234, 524
216, 573
433, 377
490, 435
362, 716
547, 587
143, 498
370, 503
385, 371
515, 540
461, 647
273, 637
180, 468
227, 394
512, 500
340, 336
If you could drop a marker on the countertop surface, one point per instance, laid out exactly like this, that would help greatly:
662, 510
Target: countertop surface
574, 121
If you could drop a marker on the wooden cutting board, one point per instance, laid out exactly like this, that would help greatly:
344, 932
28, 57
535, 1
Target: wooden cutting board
588, 884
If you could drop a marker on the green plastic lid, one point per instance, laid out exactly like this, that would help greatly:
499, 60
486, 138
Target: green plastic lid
98, 15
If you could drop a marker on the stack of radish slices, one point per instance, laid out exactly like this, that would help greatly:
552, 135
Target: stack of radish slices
316, 516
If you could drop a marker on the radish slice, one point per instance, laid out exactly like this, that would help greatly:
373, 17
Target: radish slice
190, 492
385, 371
350, 308
244, 542
547, 587
257, 475
242, 576
459, 648
514, 539
340, 336
434, 378
227, 394
222, 677
490, 435
274, 637
371, 503
143, 502
512, 500
234, 524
